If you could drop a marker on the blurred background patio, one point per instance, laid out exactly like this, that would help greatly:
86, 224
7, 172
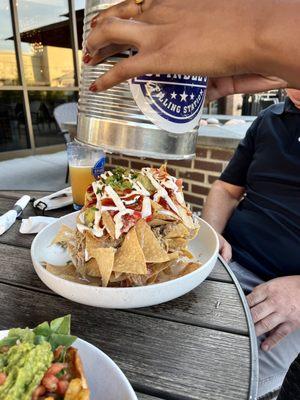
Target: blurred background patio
40, 57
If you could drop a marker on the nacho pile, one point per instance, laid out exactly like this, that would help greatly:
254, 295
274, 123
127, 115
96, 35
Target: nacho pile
133, 230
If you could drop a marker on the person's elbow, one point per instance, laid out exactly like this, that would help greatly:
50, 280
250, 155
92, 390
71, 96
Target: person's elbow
234, 191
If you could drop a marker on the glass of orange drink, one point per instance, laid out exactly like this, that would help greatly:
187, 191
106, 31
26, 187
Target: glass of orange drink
85, 164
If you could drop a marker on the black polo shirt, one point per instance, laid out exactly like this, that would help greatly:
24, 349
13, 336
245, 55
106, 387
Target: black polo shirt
264, 230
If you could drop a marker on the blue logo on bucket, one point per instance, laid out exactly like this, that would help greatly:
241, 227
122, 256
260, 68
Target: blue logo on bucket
173, 102
98, 168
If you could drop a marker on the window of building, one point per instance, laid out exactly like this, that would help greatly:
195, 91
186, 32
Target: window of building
8, 63
46, 42
42, 106
13, 125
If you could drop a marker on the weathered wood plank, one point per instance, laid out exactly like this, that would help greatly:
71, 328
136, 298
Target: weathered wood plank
16, 194
213, 304
169, 360
7, 203
143, 396
16, 268
216, 305
12, 236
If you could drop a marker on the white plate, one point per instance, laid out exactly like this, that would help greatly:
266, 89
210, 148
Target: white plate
204, 247
106, 380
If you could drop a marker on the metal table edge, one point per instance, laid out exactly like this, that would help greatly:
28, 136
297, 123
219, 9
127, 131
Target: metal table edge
253, 390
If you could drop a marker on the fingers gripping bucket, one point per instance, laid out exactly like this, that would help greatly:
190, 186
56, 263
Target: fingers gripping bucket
113, 121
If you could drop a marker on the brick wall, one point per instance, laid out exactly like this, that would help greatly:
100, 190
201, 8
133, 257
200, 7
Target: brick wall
198, 174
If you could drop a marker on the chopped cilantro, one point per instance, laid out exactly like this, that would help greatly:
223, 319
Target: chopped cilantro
134, 174
118, 180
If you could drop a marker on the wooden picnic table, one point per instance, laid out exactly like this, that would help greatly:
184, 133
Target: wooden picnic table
199, 346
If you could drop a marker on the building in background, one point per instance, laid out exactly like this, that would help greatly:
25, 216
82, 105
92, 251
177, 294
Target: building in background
40, 56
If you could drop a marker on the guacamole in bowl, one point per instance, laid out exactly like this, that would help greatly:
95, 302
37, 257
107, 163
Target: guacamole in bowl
41, 364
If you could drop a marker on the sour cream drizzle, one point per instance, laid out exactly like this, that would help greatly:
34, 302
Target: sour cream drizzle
161, 192
118, 219
114, 196
97, 187
170, 183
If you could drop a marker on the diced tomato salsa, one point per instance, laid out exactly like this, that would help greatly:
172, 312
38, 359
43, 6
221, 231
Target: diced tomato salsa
108, 202
132, 197
164, 204
91, 203
90, 189
129, 220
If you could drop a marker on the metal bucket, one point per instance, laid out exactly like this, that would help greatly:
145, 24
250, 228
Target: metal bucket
111, 119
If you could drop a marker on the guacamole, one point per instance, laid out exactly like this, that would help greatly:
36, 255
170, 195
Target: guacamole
26, 355
25, 365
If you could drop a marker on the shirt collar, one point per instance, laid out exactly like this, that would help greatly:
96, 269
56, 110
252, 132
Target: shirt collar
286, 107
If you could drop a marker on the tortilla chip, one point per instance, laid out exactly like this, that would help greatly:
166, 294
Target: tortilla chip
176, 231
63, 235
151, 247
92, 268
105, 261
158, 222
190, 267
78, 388
187, 253
168, 270
176, 244
130, 257
59, 270
157, 268
197, 225
92, 242
166, 216
76, 392
109, 224
152, 279
174, 255
117, 277
155, 207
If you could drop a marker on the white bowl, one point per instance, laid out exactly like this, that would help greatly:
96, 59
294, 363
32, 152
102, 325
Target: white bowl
204, 247
104, 377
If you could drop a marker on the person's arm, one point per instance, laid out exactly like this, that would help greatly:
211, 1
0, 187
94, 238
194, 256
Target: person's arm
226, 192
220, 203
200, 37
